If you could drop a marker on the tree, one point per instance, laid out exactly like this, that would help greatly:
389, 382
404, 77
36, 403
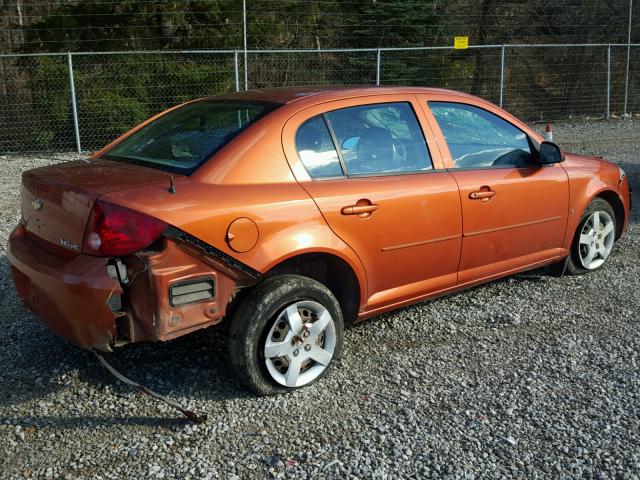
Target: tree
136, 25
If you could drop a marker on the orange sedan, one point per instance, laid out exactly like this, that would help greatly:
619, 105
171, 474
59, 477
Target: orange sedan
291, 212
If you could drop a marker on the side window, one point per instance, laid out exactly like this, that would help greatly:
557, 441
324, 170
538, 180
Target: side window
316, 149
477, 138
381, 138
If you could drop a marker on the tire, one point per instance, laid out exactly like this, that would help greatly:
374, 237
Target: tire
277, 318
587, 240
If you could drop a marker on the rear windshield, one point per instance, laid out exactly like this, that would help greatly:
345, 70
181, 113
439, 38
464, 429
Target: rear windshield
183, 139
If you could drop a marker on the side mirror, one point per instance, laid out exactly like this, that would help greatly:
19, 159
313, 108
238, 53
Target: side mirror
550, 153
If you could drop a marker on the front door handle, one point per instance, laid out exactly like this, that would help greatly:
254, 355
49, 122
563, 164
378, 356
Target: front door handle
363, 208
482, 195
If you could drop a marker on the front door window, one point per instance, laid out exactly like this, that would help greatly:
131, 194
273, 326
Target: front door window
479, 139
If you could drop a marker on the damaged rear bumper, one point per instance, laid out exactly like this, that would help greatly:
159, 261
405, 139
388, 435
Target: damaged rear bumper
69, 296
155, 296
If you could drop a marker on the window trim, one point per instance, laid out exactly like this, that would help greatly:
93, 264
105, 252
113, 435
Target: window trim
334, 139
498, 167
363, 176
397, 174
346, 175
532, 141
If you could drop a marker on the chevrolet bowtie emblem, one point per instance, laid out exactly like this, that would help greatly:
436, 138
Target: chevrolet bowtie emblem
37, 204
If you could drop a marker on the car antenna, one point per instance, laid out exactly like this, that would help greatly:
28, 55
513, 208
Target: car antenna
172, 186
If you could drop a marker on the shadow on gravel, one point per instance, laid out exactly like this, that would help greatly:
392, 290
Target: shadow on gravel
37, 363
41, 421
633, 173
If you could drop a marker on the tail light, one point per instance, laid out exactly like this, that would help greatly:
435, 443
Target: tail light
114, 231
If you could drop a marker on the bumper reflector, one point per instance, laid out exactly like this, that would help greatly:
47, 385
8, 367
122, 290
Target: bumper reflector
192, 291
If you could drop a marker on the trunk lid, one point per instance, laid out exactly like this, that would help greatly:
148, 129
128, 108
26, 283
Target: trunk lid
57, 199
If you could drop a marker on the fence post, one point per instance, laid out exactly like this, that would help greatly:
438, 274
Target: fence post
501, 75
236, 73
74, 107
626, 77
608, 81
244, 41
378, 55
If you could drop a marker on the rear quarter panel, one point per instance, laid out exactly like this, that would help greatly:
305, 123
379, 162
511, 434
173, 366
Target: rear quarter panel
287, 219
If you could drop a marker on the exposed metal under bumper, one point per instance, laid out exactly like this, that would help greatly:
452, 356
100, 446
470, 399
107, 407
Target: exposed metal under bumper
194, 417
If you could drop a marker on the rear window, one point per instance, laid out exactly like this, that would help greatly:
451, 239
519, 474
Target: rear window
183, 139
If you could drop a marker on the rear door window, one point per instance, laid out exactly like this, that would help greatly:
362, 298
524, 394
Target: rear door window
479, 139
380, 139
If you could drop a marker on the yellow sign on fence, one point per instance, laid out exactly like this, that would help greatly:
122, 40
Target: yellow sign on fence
460, 43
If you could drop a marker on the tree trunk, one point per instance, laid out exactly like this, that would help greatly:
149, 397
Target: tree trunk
480, 72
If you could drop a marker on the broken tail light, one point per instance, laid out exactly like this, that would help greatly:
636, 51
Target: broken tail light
114, 231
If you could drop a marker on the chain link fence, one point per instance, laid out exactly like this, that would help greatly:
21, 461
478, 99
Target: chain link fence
81, 101
117, 91
475, 70
280, 68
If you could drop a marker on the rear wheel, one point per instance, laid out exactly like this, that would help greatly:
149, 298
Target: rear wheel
286, 334
593, 241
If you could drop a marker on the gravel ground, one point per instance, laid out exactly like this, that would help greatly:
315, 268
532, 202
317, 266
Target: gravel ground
531, 376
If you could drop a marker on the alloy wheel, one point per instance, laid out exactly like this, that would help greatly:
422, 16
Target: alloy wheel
300, 344
596, 239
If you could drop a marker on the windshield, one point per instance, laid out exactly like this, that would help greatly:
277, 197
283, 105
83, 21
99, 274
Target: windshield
183, 139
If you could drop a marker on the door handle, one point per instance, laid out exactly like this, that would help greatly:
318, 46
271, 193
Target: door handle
363, 210
482, 195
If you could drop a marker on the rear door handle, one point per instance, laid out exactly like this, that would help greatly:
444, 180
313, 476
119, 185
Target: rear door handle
482, 195
363, 210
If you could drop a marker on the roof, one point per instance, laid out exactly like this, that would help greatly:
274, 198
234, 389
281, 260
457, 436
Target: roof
290, 94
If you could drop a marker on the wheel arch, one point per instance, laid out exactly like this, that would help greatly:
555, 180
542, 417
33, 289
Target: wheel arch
612, 198
331, 270
585, 190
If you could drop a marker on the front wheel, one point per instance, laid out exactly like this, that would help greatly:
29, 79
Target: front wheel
594, 239
286, 334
